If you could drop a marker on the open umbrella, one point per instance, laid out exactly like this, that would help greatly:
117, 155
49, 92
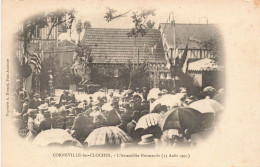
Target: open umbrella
153, 93
110, 135
206, 106
168, 100
181, 118
148, 120
55, 137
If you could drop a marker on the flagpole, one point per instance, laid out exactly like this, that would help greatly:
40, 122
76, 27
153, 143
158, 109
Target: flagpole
174, 51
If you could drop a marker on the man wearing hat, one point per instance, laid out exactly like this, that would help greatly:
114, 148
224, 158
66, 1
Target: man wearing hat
137, 100
34, 104
40, 116
115, 104
62, 120
33, 128
47, 122
52, 107
131, 125
96, 111
64, 96
81, 125
145, 93
147, 141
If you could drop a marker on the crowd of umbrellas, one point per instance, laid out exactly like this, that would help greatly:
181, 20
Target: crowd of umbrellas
121, 119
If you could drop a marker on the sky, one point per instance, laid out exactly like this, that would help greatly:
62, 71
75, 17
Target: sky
95, 13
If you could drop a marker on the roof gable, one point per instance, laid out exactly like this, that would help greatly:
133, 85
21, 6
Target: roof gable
195, 33
114, 46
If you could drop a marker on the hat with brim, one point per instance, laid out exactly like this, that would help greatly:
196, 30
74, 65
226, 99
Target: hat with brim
147, 140
43, 107
46, 112
78, 108
164, 91
37, 95
32, 112
52, 102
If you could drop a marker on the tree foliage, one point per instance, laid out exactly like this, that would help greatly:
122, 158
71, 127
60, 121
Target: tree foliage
111, 14
139, 19
138, 76
150, 24
214, 46
87, 25
65, 18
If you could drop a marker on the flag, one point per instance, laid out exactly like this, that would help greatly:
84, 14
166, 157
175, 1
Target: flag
184, 56
36, 61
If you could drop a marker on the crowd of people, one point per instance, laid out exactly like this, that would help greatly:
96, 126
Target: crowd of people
119, 108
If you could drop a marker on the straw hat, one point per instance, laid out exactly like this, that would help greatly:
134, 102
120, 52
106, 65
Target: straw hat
147, 140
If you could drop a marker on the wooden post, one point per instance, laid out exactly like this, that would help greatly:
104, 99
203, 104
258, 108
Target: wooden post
134, 54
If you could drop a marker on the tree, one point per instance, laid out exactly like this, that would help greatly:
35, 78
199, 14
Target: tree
214, 46
150, 24
79, 27
65, 18
138, 76
139, 19
111, 14
87, 25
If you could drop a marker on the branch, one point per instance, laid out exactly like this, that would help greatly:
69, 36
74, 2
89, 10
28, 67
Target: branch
109, 15
52, 26
122, 15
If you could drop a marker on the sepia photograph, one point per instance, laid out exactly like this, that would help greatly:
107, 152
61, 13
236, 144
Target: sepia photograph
108, 78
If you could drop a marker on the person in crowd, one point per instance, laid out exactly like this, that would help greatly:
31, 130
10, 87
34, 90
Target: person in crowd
64, 97
81, 125
40, 115
62, 121
52, 108
115, 105
96, 112
32, 126
164, 92
126, 118
131, 125
35, 103
46, 101
47, 122
44, 95
145, 93
137, 100
25, 106
110, 97
190, 100
209, 92
145, 105
183, 90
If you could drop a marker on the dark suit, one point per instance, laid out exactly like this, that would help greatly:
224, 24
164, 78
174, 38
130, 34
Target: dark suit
46, 124
34, 104
130, 128
81, 127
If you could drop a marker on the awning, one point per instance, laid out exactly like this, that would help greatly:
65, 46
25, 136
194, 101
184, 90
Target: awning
205, 65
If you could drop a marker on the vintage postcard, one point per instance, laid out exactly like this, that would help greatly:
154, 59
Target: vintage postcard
130, 83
